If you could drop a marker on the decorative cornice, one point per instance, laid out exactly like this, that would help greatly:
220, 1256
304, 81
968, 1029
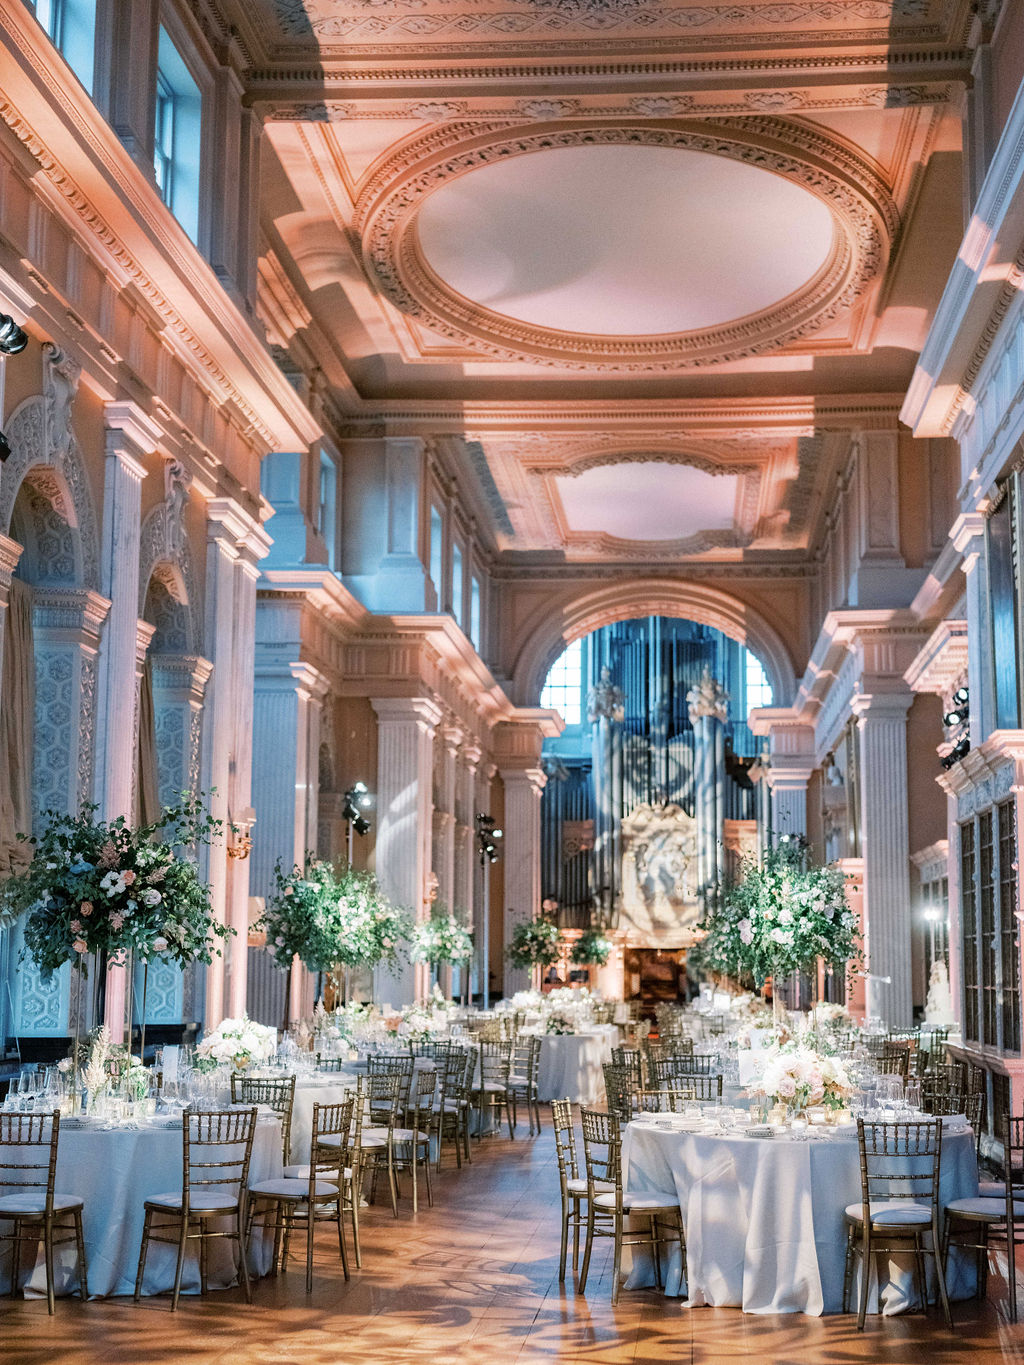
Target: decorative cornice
940, 665
387, 205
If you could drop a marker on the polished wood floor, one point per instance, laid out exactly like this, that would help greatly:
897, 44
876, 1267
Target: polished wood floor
475, 1280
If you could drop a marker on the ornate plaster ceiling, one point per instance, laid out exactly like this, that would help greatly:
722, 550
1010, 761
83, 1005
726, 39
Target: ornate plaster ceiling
667, 253
472, 232
649, 500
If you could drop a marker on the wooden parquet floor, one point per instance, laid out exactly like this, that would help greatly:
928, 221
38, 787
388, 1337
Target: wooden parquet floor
474, 1280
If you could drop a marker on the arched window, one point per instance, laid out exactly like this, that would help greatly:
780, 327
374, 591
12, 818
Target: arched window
563, 690
759, 689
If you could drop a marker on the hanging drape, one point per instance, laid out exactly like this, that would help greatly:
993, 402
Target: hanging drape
147, 787
17, 717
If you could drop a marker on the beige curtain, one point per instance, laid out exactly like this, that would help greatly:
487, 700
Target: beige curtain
17, 717
147, 788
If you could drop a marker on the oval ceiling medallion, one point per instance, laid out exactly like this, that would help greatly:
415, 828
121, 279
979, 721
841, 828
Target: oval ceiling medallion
656, 246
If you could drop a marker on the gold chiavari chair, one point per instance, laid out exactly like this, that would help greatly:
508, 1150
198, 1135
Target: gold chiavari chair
313, 1194
383, 1101
686, 1064
28, 1174
332, 1063
490, 1088
620, 1089
1000, 1212
899, 1178
216, 1151
689, 1087
278, 1093
608, 1206
453, 1104
631, 1058
412, 1142
894, 1061
573, 1187
401, 1066
523, 1078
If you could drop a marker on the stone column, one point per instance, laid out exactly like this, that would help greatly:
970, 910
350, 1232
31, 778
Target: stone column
287, 720
708, 705
10, 553
130, 436
521, 852
243, 649
882, 733
234, 540
405, 754
482, 877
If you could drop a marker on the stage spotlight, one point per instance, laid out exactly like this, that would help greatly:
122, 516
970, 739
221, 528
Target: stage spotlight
13, 339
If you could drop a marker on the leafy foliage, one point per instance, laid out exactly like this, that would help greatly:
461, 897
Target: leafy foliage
534, 944
591, 949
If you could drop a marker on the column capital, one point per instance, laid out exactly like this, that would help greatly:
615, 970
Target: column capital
534, 778
131, 432
470, 755
10, 553
401, 710
311, 682
968, 529
891, 706
144, 633
232, 526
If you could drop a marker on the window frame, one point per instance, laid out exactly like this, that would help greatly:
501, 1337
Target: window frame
178, 38
990, 986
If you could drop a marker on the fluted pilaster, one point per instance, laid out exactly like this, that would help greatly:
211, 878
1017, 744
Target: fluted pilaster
882, 731
523, 788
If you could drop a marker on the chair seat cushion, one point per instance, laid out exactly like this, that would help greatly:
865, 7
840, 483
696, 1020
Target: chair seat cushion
897, 1213
516, 1079
577, 1185
202, 1202
302, 1173
992, 1189
639, 1203
32, 1204
450, 1106
332, 1139
410, 1135
490, 1088
293, 1189
994, 1208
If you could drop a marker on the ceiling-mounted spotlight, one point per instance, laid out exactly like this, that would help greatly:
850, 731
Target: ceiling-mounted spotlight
961, 696
952, 718
487, 839
13, 339
357, 799
959, 751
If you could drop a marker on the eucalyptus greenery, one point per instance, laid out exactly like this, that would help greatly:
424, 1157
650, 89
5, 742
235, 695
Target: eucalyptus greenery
591, 949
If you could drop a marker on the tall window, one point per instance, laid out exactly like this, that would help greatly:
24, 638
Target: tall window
474, 611
563, 690
71, 25
327, 512
989, 929
437, 552
759, 689
457, 608
177, 145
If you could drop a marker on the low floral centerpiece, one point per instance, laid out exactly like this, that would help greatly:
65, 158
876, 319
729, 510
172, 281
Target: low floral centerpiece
796, 1078
237, 1043
559, 1023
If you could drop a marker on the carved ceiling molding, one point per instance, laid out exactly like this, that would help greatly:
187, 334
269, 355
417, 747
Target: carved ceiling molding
292, 28
861, 207
705, 103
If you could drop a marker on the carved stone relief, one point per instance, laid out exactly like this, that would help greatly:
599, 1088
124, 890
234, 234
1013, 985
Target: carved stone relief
659, 876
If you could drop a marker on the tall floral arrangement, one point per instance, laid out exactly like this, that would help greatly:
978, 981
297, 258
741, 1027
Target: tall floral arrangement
372, 929
441, 938
303, 915
534, 944
591, 949
784, 916
97, 886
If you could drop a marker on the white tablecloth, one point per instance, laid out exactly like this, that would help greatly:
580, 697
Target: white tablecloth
330, 1089
764, 1218
115, 1170
570, 1064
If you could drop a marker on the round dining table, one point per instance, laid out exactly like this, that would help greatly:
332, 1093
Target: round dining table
764, 1217
115, 1170
571, 1064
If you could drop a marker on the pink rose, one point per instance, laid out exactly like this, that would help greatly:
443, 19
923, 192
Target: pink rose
86, 908
76, 926
80, 945
128, 877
